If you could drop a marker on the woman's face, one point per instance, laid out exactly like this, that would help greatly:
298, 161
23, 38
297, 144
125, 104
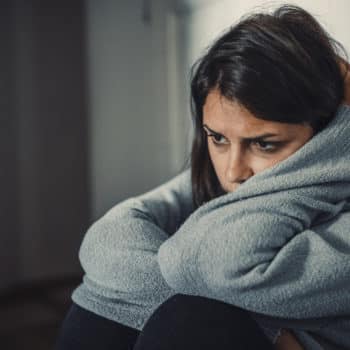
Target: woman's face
241, 145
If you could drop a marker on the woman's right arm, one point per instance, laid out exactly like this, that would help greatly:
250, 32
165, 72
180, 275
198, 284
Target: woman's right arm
345, 68
119, 250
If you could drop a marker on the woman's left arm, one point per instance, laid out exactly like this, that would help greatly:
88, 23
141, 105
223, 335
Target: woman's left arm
266, 261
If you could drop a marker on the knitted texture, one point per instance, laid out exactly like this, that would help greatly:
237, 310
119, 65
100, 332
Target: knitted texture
278, 246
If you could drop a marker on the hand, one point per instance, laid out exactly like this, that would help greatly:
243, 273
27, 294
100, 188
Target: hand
343, 64
287, 341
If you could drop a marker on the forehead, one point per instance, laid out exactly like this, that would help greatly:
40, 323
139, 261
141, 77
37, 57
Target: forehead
226, 116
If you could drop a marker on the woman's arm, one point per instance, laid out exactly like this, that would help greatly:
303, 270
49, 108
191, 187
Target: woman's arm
261, 259
279, 244
119, 250
345, 69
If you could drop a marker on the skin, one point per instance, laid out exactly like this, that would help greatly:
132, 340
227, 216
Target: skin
343, 65
236, 159
287, 341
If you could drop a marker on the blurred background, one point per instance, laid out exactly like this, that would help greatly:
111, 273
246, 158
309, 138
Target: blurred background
94, 109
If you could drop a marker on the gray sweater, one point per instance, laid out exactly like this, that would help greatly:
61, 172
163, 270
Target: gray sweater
278, 246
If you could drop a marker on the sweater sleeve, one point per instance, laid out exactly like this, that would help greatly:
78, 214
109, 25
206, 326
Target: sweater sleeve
119, 250
265, 256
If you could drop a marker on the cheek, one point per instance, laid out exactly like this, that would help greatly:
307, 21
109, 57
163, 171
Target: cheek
214, 152
259, 164
218, 160
213, 155
255, 163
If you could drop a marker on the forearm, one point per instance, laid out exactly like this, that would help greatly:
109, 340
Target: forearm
122, 279
272, 264
119, 250
345, 70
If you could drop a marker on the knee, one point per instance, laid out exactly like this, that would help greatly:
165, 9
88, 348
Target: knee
194, 322
190, 307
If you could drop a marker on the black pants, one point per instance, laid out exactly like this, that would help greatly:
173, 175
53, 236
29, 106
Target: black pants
182, 322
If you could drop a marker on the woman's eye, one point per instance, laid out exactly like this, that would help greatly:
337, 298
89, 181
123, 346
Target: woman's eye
216, 139
262, 146
265, 146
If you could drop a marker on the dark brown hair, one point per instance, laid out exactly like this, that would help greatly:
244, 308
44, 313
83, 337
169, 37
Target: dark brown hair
281, 67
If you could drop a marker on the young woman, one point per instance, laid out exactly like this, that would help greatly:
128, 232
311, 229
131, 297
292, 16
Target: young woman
248, 247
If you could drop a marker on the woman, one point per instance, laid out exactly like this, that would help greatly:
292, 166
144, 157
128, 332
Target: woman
266, 98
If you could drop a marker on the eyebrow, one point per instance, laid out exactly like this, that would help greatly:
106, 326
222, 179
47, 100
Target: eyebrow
255, 138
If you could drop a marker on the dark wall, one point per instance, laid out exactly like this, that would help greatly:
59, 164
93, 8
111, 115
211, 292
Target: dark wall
9, 232
45, 135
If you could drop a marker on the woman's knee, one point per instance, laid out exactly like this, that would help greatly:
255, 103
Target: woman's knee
82, 329
194, 322
182, 308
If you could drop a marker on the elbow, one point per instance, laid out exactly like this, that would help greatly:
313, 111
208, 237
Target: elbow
92, 248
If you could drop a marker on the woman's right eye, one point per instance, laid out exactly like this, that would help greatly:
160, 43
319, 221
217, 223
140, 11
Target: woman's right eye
216, 139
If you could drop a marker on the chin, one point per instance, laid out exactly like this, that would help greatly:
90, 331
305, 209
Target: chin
232, 189
225, 191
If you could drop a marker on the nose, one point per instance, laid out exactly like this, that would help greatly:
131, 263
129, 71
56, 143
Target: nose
238, 168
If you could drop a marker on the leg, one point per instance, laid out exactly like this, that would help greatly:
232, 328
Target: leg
82, 329
192, 322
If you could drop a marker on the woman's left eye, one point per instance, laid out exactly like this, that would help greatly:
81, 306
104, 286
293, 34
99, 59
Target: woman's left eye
265, 146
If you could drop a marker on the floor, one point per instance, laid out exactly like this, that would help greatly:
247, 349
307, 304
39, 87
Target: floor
31, 315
